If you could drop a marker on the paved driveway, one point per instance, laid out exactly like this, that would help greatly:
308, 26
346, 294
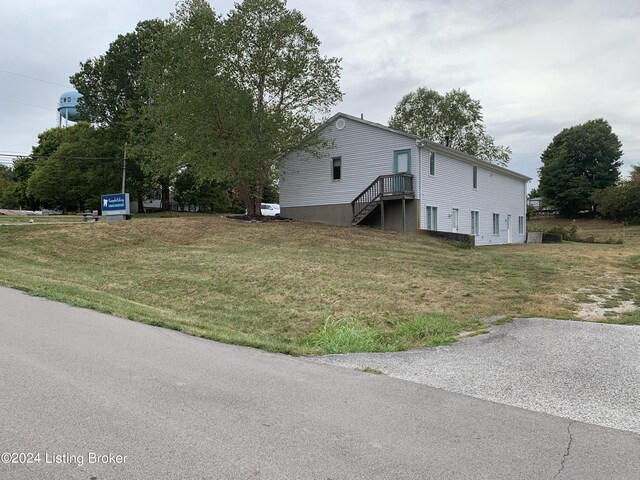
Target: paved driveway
583, 371
75, 383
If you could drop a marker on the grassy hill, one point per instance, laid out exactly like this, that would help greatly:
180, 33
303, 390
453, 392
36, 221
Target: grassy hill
308, 288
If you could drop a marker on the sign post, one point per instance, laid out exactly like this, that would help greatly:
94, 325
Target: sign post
115, 207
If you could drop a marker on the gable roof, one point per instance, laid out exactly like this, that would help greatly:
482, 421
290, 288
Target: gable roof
430, 145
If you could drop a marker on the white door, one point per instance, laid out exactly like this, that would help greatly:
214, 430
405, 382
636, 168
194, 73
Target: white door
454, 220
509, 239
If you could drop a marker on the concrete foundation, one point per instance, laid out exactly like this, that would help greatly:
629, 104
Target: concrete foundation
341, 215
393, 217
460, 238
338, 214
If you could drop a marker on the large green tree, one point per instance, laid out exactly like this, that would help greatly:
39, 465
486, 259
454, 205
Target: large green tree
115, 92
578, 161
73, 167
231, 97
621, 202
454, 116
22, 169
188, 102
8, 188
112, 85
210, 195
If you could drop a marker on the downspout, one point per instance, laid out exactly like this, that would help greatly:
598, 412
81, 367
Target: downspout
526, 203
419, 144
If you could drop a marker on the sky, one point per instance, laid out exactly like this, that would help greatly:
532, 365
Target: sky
536, 66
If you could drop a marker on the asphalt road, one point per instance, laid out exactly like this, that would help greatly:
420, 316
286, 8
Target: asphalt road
75, 383
583, 371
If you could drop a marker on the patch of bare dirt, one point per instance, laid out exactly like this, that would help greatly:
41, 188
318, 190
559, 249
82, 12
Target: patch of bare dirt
603, 305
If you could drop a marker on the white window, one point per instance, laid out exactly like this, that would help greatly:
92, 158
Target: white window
496, 224
521, 225
475, 177
475, 223
432, 164
432, 218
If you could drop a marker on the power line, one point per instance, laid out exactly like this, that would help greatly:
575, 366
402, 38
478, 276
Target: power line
27, 104
13, 155
14, 152
33, 78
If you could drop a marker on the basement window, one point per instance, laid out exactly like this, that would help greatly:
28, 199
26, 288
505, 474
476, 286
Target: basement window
475, 222
432, 218
336, 168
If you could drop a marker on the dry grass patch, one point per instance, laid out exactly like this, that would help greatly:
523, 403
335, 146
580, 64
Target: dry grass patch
298, 287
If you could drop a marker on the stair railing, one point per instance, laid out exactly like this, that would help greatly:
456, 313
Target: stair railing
384, 185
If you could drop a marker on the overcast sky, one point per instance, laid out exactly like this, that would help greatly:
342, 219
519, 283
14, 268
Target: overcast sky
536, 66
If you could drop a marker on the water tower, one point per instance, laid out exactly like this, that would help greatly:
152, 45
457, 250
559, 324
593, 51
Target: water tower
68, 108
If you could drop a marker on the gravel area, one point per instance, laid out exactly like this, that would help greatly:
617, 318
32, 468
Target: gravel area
588, 372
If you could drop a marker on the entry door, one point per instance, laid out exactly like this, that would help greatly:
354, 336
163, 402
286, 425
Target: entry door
401, 164
454, 220
509, 239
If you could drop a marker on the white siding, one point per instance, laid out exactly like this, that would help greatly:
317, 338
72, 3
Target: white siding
366, 151
452, 187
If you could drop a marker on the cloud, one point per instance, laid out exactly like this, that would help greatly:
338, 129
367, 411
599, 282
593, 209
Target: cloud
536, 66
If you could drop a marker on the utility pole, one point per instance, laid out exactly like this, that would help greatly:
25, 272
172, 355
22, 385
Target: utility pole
124, 167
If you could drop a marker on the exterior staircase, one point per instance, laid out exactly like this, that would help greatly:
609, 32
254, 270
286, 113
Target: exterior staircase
398, 186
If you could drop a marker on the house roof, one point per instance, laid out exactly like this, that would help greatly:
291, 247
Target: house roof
431, 145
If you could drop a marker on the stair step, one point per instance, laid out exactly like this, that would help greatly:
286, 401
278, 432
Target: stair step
364, 213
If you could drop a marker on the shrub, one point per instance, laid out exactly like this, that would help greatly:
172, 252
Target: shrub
573, 234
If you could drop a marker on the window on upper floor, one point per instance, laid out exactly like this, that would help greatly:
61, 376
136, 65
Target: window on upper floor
336, 168
432, 163
475, 177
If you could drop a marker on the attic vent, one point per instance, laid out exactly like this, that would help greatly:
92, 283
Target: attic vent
340, 123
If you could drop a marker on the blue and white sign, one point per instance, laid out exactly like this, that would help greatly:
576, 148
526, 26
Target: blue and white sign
115, 204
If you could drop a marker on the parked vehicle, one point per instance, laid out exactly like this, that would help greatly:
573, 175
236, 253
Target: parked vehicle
270, 209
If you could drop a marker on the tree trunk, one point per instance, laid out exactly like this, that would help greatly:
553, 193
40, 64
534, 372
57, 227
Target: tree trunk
164, 184
252, 199
140, 204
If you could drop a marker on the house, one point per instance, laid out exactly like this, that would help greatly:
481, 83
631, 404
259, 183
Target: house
153, 203
378, 176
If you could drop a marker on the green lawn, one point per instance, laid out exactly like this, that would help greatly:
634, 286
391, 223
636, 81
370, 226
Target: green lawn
305, 288
38, 219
